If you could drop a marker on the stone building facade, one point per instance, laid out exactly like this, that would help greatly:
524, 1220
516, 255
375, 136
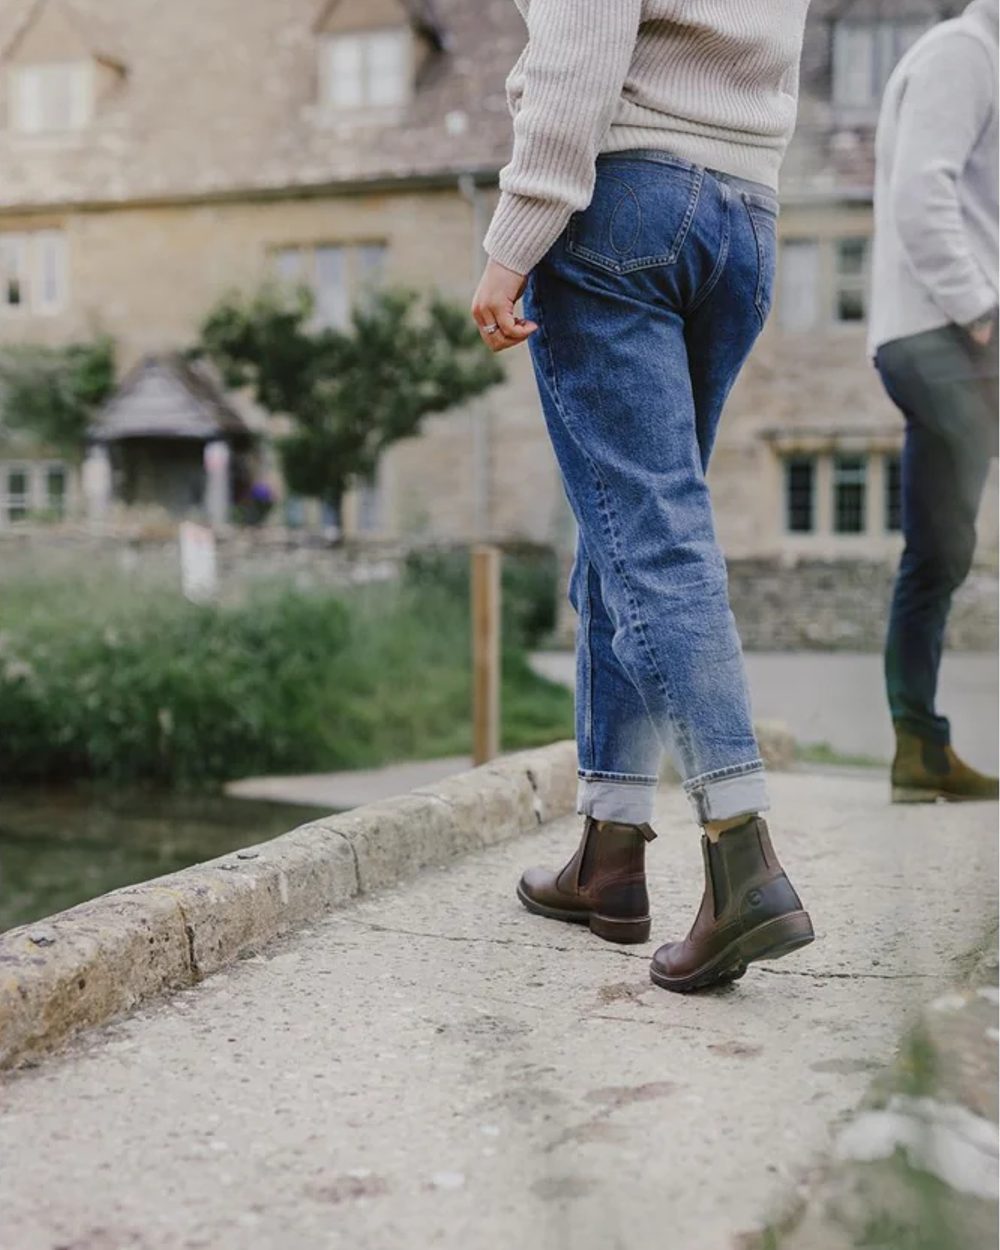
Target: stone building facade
157, 156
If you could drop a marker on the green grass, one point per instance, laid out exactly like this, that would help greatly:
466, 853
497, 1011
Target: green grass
823, 753
101, 679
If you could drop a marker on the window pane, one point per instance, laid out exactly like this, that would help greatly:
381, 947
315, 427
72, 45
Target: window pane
345, 72
288, 266
12, 284
854, 66
55, 489
58, 92
852, 255
388, 67
800, 492
52, 98
330, 288
26, 98
799, 279
849, 483
850, 304
81, 91
893, 494
371, 263
50, 263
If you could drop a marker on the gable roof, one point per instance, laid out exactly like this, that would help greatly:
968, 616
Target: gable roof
167, 396
91, 31
421, 14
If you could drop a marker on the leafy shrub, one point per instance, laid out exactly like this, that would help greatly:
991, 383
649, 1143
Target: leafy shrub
172, 692
98, 682
529, 576
53, 393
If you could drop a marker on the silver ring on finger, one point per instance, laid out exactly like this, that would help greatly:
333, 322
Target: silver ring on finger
491, 329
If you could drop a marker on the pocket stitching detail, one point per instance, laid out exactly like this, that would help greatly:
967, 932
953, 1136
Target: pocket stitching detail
758, 299
575, 248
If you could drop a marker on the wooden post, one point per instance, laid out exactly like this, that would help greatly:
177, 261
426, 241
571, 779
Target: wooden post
485, 653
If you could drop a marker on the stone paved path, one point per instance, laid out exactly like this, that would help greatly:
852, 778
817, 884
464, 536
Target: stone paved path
433, 1067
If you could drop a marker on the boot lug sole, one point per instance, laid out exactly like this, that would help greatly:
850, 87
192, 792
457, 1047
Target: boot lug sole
771, 940
914, 794
623, 932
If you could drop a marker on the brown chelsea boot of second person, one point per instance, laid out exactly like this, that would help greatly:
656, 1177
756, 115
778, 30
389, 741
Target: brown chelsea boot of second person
749, 911
603, 885
923, 771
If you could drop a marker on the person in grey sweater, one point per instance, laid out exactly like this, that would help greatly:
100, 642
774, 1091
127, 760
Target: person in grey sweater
933, 336
638, 215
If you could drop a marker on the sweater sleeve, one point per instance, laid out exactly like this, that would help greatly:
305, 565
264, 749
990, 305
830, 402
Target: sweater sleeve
949, 98
574, 67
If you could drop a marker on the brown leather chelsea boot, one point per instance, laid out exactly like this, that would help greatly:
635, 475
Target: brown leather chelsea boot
749, 911
923, 772
603, 885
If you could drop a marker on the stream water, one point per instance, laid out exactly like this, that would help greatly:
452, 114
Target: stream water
59, 848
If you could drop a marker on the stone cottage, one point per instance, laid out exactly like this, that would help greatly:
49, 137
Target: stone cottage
156, 156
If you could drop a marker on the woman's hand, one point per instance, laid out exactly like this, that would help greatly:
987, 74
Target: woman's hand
493, 308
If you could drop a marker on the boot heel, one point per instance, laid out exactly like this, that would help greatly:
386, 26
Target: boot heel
913, 794
623, 931
777, 937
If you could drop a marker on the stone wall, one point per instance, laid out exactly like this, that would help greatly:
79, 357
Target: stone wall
843, 606
812, 605
152, 558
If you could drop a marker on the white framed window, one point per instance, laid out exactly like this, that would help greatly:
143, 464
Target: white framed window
339, 276
15, 503
841, 493
864, 55
823, 282
34, 272
34, 486
51, 99
366, 69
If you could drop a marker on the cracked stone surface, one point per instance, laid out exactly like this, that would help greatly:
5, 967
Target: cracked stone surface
433, 1067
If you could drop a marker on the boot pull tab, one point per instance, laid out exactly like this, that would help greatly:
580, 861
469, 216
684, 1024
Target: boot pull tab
647, 832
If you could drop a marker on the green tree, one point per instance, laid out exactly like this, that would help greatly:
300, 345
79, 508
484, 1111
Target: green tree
53, 393
349, 393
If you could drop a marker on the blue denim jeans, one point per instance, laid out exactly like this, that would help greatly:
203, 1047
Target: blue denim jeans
647, 308
945, 385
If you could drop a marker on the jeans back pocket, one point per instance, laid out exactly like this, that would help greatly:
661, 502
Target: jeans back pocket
639, 216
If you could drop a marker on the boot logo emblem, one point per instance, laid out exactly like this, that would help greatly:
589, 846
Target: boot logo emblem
755, 898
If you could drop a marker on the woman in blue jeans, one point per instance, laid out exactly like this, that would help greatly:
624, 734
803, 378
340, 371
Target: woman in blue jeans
638, 217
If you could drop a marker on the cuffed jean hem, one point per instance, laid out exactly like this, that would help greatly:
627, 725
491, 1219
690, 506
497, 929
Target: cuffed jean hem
723, 796
626, 802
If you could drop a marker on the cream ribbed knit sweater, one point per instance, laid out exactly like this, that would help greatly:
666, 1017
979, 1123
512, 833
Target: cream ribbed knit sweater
712, 81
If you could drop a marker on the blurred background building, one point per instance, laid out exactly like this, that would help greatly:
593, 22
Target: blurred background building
157, 156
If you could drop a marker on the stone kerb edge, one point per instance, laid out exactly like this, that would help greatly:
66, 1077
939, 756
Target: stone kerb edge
82, 967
